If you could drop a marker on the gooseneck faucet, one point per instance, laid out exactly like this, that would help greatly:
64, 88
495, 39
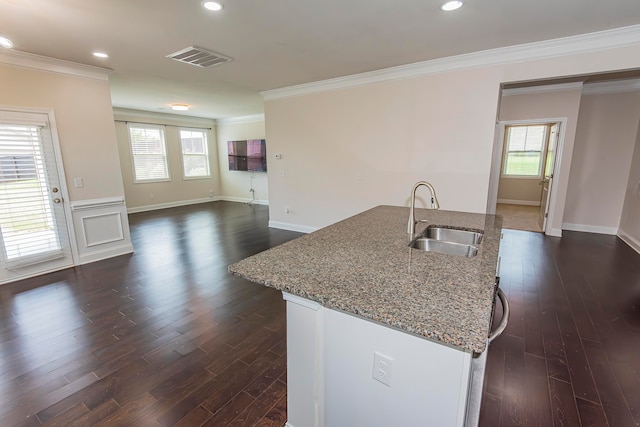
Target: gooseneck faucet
411, 226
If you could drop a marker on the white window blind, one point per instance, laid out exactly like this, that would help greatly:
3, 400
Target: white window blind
27, 223
149, 152
195, 153
524, 151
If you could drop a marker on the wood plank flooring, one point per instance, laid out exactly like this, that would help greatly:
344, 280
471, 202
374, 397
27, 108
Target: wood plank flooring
166, 337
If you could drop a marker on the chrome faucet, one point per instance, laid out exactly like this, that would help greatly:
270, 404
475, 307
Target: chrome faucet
411, 226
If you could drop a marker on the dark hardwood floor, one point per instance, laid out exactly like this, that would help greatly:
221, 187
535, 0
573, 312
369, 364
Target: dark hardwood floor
167, 337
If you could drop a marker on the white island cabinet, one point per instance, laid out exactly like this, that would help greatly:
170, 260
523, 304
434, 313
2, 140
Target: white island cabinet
330, 370
358, 290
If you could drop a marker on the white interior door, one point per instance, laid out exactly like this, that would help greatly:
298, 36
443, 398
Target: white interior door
34, 235
547, 176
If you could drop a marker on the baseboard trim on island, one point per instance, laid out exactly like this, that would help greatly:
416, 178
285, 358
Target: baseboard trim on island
292, 227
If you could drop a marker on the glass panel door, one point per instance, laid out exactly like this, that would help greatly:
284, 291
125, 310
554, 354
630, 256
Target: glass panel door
33, 229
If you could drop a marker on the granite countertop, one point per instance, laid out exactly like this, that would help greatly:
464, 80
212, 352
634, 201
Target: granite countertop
364, 266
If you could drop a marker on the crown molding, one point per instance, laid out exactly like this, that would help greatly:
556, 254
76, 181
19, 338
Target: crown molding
542, 89
611, 87
32, 61
160, 118
583, 43
243, 119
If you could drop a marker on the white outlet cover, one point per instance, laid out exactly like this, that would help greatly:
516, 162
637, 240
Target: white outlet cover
382, 368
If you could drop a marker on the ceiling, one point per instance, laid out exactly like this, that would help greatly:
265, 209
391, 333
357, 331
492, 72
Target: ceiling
279, 43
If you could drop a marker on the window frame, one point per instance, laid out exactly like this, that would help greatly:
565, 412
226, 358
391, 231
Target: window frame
163, 133
206, 155
543, 152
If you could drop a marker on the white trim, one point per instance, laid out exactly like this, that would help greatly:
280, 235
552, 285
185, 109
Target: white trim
116, 238
583, 43
31, 61
301, 301
590, 228
244, 200
611, 87
554, 232
542, 89
629, 240
172, 204
243, 119
519, 202
292, 227
104, 202
107, 253
168, 119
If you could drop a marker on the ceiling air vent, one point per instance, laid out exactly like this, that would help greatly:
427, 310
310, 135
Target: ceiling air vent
199, 57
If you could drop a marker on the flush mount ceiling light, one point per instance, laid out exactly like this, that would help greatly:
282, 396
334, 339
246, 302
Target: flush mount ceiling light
212, 5
100, 55
5, 42
180, 107
451, 5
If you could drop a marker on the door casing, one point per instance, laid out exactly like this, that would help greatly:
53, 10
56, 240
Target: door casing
61, 178
552, 229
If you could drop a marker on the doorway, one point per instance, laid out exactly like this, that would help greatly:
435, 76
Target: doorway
34, 223
522, 177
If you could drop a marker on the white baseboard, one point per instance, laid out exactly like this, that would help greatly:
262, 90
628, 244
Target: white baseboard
590, 228
244, 200
107, 253
292, 227
172, 204
519, 202
629, 240
554, 232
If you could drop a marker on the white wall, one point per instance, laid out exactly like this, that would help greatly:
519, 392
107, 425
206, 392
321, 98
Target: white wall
630, 222
84, 119
235, 185
178, 191
605, 137
349, 148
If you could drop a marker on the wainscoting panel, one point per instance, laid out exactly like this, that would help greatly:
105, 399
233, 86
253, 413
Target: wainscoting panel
102, 228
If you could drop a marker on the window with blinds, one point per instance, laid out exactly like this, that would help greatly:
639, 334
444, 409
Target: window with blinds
195, 154
149, 152
524, 151
27, 223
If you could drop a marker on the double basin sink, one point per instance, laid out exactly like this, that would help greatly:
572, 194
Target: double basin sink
449, 241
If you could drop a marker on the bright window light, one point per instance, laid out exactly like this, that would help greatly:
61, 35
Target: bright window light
6, 43
211, 5
451, 5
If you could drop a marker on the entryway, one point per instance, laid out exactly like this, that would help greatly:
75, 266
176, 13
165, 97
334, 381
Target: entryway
525, 177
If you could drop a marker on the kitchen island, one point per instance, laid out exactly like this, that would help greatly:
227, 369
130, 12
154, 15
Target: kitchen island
357, 292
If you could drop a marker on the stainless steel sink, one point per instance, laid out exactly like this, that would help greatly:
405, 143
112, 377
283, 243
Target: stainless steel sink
453, 235
444, 247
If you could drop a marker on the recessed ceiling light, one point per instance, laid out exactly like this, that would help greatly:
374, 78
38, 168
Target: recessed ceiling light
100, 55
6, 43
180, 107
211, 5
451, 5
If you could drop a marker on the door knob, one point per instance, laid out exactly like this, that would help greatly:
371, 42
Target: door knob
57, 200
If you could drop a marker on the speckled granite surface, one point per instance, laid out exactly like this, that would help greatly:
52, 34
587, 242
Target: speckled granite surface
364, 266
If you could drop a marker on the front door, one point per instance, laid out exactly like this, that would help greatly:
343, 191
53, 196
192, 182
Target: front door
547, 176
34, 235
